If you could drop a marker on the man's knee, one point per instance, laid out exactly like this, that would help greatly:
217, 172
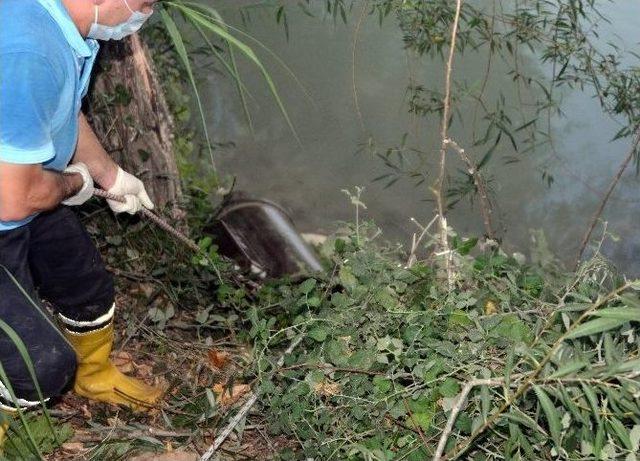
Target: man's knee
54, 366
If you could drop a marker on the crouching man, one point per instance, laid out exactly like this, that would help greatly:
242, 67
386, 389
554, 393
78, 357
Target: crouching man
49, 161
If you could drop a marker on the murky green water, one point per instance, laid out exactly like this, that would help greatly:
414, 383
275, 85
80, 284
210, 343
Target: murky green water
308, 179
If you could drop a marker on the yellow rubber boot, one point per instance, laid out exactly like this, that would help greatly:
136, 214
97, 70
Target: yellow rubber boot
98, 379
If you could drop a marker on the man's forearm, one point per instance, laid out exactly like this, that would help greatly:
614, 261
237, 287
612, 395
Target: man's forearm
28, 190
89, 151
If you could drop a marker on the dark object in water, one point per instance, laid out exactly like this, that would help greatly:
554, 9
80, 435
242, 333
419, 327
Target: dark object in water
261, 237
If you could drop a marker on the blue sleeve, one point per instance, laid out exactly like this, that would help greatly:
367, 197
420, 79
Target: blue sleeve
29, 97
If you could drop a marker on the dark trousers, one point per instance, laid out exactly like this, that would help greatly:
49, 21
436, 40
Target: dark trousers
52, 258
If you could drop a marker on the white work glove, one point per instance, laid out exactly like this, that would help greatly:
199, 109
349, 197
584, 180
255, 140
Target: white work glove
87, 184
133, 191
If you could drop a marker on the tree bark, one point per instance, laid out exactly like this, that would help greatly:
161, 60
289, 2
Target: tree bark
130, 116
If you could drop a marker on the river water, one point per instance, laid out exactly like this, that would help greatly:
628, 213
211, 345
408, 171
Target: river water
307, 178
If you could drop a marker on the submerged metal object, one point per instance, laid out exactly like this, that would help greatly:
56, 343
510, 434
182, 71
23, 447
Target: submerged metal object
261, 237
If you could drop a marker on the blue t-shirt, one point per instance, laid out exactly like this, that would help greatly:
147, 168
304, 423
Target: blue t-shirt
45, 65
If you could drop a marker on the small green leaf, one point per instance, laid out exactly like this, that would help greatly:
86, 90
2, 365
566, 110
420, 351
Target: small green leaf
314, 301
423, 420
347, 278
631, 301
381, 384
595, 326
629, 314
485, 402
465, 247
621, 432
449, 388
318, 334
552, 415
512, 328
629, 365
598, 442
307, 286
590, 394
634, 437
568, 368
521, 417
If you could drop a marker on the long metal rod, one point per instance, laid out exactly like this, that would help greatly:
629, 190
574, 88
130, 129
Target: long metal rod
164, 225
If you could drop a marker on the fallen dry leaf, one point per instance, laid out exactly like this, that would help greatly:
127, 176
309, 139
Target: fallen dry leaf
73, 447
490, 307
86, 412
123, 361
144, 290
144, 370
327, 388
173, 456
227, 397
217, 358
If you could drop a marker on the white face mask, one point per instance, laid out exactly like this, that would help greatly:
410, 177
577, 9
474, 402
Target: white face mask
130, 26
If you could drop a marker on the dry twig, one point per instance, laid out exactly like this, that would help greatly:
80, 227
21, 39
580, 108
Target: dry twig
460, 401
416, 239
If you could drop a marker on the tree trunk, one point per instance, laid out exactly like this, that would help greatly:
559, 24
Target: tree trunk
130, 116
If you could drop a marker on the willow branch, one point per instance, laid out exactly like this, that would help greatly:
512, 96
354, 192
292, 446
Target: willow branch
605, 199
515, 379
460, 449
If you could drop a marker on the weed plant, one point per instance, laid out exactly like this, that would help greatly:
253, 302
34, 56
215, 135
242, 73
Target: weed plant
389, 349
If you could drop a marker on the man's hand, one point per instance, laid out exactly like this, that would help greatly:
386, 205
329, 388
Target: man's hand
133, 191
107, 174
86, 192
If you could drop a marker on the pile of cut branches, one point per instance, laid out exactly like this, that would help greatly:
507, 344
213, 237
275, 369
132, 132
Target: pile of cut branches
516, 362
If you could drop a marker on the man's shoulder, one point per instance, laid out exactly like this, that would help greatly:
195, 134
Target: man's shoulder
26, 26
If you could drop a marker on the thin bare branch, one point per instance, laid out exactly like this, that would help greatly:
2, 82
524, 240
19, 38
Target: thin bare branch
444, 240
416, 239
605, 199
457, 406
